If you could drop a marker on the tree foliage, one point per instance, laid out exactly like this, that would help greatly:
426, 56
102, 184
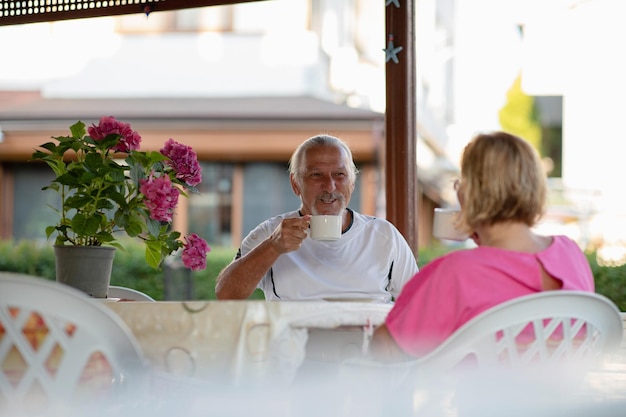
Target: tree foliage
520, 116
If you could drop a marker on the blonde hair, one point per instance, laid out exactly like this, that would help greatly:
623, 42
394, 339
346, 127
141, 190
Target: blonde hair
502, 180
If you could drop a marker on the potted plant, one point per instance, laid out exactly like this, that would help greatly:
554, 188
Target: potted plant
109, 189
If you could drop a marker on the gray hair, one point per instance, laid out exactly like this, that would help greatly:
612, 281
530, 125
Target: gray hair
320, 140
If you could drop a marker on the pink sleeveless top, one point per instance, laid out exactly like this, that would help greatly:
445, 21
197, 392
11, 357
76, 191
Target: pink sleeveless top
452, 289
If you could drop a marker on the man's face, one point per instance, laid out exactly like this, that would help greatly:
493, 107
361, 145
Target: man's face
324, 183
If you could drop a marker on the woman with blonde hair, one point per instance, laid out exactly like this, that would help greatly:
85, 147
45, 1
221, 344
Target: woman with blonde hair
502, 193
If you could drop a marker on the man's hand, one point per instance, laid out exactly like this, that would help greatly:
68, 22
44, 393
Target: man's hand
239, 279
290, 233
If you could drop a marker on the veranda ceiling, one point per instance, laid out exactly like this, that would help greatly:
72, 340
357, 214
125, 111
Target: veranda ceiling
401, 185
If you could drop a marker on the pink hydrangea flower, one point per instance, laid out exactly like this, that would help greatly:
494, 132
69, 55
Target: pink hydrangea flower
194, 253
129, 140
161, 197
184, 161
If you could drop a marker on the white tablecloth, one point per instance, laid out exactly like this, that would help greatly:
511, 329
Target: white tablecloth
248, 340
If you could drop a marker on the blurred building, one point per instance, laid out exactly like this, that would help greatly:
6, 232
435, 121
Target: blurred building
240, 83
244, 86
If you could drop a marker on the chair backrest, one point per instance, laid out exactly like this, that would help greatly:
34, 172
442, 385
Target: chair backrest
510, 373
551, 327
541, 328
126, 293
60, 347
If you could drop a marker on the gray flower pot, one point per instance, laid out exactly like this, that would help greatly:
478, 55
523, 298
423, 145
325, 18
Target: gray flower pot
87, 268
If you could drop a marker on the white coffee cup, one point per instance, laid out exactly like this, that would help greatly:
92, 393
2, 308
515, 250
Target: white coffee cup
444, 225
326, 227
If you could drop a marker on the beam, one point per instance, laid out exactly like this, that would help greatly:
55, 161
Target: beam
13, 12
401, 186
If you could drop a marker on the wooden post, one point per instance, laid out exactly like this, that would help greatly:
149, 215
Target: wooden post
401, 185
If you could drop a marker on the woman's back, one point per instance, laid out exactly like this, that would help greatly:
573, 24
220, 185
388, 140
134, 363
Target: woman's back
454, 288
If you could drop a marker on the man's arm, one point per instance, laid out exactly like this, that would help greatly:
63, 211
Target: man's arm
239, 279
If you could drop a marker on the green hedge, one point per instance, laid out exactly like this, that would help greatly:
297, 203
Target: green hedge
131, 270
610, 281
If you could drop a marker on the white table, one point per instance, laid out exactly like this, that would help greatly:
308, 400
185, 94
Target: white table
247, 340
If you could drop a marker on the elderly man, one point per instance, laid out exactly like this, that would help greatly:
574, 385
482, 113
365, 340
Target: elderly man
371, 260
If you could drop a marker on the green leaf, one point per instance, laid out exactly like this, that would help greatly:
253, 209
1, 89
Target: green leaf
51, 147
49, 231
104, 144
78, 129
58, 166
93, 163
153, 253
172, 239
116, 173
154, 227
104, 204
78, 201
105, 237
133, 228
172, 243
119, 199
54, 186
86, 226
117, 245
68, 179
137, 171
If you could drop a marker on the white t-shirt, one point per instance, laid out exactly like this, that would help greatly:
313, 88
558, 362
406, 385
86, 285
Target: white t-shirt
371, 260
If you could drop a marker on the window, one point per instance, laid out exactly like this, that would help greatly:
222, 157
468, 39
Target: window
210, 210
31, 206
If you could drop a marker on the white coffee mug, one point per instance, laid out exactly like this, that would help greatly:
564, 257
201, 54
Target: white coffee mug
444, 225
326, 227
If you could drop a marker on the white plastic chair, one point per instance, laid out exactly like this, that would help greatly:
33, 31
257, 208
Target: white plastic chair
590, 325
126, 293
59, 347
574, 332
545, 311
